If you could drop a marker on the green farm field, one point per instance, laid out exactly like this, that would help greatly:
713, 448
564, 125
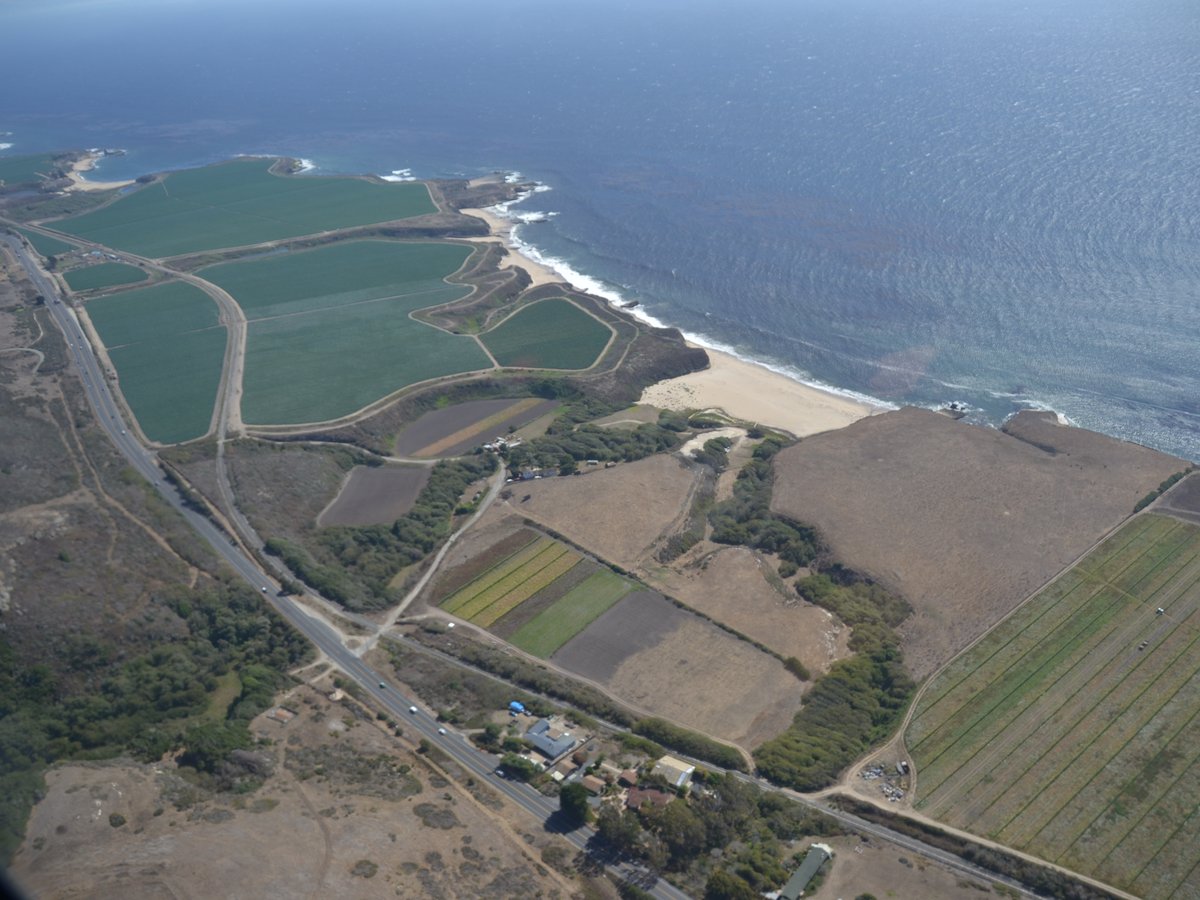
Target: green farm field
564, 619
330, 329
507, 585
168, 348
238, 203
47, 246
104, 275
25, 169
552, 334
1072, 731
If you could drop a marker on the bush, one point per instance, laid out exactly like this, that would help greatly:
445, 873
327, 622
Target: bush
855, 704
690, 743
746, 517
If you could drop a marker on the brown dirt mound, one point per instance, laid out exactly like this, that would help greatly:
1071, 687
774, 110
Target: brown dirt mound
375, 495
962, 520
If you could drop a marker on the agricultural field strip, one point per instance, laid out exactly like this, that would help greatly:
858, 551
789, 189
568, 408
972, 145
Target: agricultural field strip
1191, 676
483, 425
1016, 627
1079, 646
1082, 642
576, 610
500, 570
1035, 793
1075, 777
514, 581
1155, 808
1187, 876
519, 595
1179, 818
1038, 642
1176, 814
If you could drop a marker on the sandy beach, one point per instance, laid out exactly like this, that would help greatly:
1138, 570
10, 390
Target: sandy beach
741, 389
756, 394
501, 230
81, 167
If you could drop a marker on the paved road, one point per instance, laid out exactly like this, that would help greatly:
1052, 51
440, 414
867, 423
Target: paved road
421, 723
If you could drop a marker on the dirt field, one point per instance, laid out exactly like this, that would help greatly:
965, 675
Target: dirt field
862, 866
284, 488
456, 429
1183, 501
729, 584
617, 513
964, 521
648, 651
375, 495
340, 816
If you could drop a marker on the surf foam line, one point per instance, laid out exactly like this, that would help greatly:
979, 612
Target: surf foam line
597, 288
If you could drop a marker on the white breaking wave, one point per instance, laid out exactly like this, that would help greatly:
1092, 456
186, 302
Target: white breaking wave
306, 165
399, 175
608, 292
5, 146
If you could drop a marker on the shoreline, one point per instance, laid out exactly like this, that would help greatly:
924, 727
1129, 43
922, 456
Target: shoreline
741, 388
85, 164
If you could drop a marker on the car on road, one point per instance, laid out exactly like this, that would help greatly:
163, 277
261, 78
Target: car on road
412, 709
382, 684
264, 590
441, 731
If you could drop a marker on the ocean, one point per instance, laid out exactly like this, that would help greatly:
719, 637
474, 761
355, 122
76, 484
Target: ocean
991, 202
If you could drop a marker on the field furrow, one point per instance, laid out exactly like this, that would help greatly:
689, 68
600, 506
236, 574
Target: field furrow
513, 580
538, 580
491, 576
1073, 730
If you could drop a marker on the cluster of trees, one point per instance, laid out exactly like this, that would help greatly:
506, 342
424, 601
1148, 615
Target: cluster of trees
855, 704
869, 608
1162, 488
859, 701
95, 705
357, 563
690, 743
682, 835
714, 453
746, 517
566, 448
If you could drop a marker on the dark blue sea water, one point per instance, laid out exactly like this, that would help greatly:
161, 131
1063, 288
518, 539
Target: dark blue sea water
988, 201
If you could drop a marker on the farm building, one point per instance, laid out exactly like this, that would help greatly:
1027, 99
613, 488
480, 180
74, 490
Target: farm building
798, 883
551, 742
676, 771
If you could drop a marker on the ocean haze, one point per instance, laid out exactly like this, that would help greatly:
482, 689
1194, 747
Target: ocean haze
988, 202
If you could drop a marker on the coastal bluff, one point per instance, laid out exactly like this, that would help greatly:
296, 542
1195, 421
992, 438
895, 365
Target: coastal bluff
964, 520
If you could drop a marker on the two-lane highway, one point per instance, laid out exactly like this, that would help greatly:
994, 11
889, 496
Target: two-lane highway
473, 760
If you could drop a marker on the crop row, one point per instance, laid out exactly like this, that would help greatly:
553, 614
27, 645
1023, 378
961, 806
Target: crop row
484, 599
517, 596
495, 574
